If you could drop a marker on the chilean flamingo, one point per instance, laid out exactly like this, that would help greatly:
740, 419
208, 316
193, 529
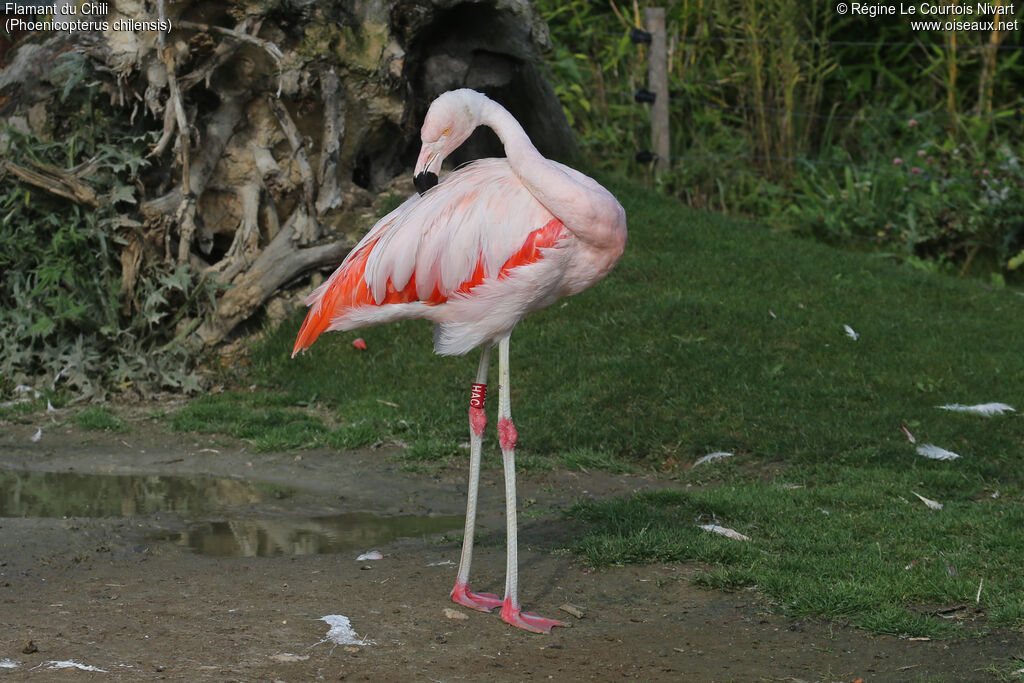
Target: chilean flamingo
493, 241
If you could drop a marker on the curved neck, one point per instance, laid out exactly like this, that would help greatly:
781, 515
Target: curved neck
518, 148
585, 208
548, 184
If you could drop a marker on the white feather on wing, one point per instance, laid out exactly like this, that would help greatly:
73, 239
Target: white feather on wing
488, 215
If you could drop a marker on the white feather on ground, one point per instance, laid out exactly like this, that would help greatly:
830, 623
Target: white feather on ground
711, 457
934, 505
986, 409
935, 453
341, 631
68, 664
371, 555
850, 333
724, 531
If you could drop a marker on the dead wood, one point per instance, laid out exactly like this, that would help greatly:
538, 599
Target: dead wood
245, 245
221, 54
332, 92
54, 180
301, 158
273, 50
277, 264
221, 127
186, 211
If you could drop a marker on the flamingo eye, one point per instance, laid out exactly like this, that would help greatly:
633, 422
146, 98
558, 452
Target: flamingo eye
446, 131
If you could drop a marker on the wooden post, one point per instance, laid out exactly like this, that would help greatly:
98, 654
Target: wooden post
657, 82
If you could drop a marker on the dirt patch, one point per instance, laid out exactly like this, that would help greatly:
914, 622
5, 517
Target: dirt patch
102, 593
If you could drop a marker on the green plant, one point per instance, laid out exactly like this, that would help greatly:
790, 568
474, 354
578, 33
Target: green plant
99, 418
789, 114
935, 199
72, 307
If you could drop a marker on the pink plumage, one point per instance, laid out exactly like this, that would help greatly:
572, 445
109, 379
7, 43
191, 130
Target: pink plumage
475, 253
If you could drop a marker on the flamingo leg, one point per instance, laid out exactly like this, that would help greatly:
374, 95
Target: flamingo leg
511, 612
461, 593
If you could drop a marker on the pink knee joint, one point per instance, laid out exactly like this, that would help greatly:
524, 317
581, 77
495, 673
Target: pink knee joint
477, 420
507, 435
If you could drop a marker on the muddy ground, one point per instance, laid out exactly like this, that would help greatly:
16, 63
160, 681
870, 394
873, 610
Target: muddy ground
126, 595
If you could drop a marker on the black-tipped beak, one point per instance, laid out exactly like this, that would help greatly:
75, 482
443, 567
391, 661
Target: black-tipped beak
424, 181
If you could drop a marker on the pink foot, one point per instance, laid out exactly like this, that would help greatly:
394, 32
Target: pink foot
512, 614
484, 602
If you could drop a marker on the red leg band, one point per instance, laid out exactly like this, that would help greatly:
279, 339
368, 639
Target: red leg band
477, 395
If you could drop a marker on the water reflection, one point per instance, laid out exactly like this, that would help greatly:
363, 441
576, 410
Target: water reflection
255, 526
70, 494
307, 536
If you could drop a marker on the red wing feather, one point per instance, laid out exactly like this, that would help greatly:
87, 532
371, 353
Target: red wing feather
348, 289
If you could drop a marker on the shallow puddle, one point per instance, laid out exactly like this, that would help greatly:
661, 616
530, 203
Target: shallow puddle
307, 536
71, 494
253, 522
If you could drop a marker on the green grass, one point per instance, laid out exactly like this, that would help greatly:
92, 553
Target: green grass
858, 546
712, 335
99, 418
270, 422
678, 353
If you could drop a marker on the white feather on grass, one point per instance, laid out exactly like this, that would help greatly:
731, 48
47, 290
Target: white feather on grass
724, 531
986, 409
933, 452
850, 333
934, 505
711, 457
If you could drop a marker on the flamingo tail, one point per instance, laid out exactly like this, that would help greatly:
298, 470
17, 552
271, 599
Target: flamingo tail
344, 289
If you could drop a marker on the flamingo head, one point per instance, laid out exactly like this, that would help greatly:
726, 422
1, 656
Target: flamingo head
451, 119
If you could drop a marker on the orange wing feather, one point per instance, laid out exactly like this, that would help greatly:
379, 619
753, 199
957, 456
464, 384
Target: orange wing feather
349, 290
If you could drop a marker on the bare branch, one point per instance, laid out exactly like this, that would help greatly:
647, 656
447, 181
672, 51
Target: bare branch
221, 54
54, 180
218, 131
273, 50
278, 263
245, 244
186, 211
291, 132
170, 124
333, 94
